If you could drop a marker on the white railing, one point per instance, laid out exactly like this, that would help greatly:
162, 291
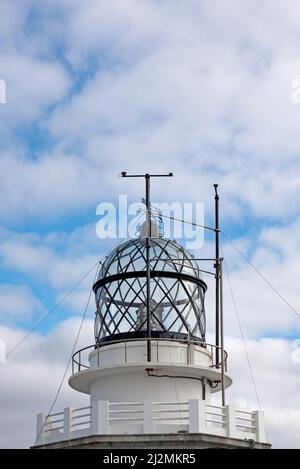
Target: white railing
70, 423
194, 416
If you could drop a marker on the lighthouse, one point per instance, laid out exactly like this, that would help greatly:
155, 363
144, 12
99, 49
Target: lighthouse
150, 373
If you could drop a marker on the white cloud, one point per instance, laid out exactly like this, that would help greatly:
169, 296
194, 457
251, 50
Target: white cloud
30, 379
276, 377
52, 186
43, 260
165, 91
221, 104
33, 85
17, 303
262, 311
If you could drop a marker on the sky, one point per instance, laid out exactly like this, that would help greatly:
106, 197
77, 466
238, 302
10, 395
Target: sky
96, 87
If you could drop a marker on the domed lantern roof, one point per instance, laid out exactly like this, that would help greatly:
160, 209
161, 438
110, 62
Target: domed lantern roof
176, 287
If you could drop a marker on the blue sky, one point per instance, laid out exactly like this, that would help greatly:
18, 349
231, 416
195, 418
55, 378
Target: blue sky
99, 87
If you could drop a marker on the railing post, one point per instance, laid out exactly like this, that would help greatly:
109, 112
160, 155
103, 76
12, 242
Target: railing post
260, 426
190, 353
197, 417
40, 424
230, 416
100, 417
148, 417
68, 411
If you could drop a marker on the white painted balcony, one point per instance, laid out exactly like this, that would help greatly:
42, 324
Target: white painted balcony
194, 416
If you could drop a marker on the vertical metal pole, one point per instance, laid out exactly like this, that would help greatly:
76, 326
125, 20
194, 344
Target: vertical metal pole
222, 335
148, 242
217, 266
148, 291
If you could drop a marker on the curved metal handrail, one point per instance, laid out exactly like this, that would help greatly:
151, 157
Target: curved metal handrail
76, 357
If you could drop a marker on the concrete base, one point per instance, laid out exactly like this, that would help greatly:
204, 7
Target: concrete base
155, 441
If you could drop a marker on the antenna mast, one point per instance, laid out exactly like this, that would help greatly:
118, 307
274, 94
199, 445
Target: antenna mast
217, 267
147, 178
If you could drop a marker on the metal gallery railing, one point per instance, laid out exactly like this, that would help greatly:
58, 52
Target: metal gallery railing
80, 357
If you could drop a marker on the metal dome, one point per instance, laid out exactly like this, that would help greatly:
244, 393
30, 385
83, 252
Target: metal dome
177, 292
